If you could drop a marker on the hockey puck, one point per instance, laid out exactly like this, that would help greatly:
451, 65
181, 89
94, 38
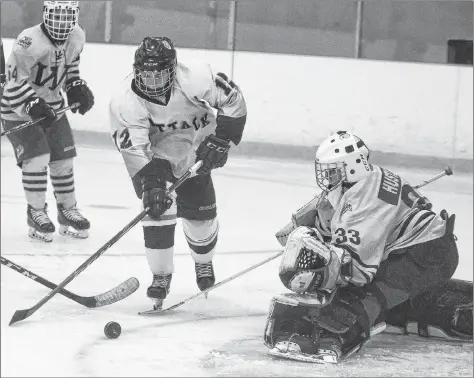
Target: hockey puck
112, 330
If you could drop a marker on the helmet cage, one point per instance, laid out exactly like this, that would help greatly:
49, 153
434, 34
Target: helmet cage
330, 175
60, 18
154, 83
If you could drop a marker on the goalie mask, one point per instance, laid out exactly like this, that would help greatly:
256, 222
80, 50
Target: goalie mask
343, 157
155, 66
60, 18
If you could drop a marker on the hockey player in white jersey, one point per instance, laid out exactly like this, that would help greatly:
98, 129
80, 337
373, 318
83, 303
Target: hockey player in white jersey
44, 63
368, 251
2, 70
163, 119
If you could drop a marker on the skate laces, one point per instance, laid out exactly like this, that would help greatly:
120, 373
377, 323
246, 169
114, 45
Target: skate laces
73, 214
161, 281
39, 216
204, 270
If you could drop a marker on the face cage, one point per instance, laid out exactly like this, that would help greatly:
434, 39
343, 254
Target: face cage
159, 86
62, 28
330, 175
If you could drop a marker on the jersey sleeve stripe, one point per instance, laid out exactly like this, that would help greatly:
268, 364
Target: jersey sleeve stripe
28, 91
356, 257
18, 88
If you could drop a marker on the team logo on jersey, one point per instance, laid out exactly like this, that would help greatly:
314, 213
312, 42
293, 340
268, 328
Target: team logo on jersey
25, 42
347, 207
19, 151
196, 123
58, 56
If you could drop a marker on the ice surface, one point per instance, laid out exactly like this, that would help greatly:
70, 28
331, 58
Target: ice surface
220, 336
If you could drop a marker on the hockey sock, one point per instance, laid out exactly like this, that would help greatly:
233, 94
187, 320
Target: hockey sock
62, 178
35, 180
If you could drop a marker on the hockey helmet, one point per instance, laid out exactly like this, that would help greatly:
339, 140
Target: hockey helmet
155, 66
342, 157
60, 18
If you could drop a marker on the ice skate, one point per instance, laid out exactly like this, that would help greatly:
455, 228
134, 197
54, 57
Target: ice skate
72, 222
205, 277
302, 348
41, 227
159, 289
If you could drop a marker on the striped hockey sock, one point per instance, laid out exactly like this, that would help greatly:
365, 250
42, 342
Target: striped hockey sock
35, 184
64, 189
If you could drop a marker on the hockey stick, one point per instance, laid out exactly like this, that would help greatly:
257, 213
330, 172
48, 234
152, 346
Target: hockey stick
446, 172
23, 314
35, 121
153, 312
116, 294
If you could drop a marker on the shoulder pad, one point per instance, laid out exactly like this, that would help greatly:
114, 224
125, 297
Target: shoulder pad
126, 105
194, 79
31, 41
77, 36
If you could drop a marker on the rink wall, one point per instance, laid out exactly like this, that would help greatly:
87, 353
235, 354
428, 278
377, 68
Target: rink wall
407, 113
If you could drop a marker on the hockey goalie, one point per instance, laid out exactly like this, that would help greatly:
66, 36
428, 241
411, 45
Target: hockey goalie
369, 252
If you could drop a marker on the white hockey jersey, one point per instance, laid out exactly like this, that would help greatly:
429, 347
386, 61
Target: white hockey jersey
38, 68
143, 130
374, 218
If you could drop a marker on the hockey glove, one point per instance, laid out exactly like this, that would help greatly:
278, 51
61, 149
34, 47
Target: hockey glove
154, 196
3, 80
78, 91
38, 108
213, 153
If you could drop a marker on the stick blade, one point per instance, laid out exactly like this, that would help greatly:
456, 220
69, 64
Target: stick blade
448, 171
20, 315
118, 293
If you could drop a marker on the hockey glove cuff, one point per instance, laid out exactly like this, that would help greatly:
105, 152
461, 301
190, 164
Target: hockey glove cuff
78, 91
213, 153
154, 196
38, 108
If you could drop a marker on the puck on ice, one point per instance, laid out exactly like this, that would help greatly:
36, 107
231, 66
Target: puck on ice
112, 330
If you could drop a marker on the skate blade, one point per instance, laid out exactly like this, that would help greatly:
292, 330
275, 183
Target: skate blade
323, 357
46, 237
157, 307
69, 231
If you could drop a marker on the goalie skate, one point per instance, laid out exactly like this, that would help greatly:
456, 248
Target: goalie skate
72, 222
41, 227
290, 352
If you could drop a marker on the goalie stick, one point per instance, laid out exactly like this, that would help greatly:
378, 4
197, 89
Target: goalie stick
447, 172
116, 294
20, 315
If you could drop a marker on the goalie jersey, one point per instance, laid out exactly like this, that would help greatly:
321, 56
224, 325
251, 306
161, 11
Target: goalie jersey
37, 67
377, 216
144, 130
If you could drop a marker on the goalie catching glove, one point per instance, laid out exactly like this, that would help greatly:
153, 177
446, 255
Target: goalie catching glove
213, 153
309, 265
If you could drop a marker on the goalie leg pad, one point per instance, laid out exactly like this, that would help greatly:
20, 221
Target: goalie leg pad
300, 330
443, 312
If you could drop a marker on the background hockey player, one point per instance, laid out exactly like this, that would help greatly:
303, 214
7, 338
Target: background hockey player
2, 69
163, 120
44, 62
369, 249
